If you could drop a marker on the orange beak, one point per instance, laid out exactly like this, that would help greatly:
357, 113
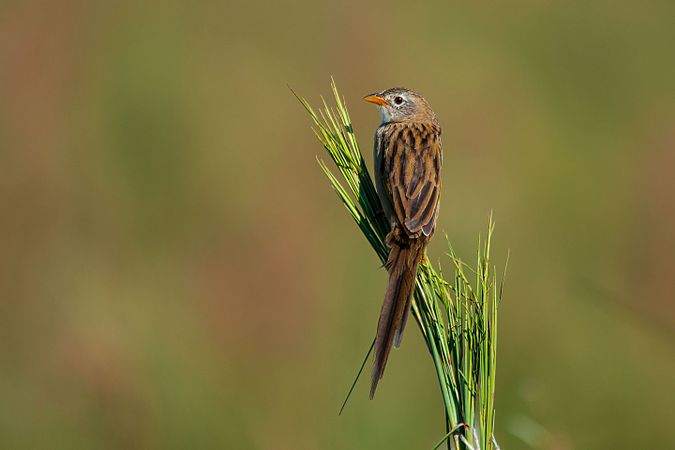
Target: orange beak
374, 98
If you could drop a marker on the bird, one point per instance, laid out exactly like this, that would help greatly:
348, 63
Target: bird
407, 167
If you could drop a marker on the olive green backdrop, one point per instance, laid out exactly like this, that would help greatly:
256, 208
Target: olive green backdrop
176, 273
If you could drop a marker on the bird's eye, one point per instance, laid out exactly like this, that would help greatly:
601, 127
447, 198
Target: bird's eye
398, 100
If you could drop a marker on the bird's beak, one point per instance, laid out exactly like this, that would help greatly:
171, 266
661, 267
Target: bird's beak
375, 98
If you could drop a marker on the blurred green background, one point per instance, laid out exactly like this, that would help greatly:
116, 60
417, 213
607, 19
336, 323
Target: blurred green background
175, 271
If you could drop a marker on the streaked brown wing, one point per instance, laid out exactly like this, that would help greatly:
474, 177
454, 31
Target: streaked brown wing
412, 175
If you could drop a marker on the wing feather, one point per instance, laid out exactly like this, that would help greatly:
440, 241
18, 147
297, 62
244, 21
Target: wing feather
412, 154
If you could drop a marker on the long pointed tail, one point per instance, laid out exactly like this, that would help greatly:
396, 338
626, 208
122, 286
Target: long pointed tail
404, 257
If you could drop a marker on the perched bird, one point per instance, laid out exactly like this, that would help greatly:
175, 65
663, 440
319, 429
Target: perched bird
408, 180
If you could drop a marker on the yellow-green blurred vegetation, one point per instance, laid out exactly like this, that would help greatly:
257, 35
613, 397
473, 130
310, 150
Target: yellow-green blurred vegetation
175, 271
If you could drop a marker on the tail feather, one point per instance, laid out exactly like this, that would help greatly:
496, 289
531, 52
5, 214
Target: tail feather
398, 336
404, 257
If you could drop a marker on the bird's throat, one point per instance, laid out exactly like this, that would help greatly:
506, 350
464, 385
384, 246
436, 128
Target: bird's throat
384, 114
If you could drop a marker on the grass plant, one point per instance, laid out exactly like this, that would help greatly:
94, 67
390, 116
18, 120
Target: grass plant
457, 317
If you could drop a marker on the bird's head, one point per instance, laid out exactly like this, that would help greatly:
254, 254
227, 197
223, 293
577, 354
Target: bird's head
401, 105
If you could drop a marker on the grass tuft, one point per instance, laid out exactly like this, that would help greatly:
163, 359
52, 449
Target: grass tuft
457, 317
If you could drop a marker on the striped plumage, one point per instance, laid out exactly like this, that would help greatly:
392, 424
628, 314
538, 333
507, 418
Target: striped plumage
408, 163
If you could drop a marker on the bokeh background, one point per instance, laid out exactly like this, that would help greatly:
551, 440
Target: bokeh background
175, 271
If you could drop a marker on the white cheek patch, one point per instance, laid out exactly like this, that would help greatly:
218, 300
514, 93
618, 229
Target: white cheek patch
384, 114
